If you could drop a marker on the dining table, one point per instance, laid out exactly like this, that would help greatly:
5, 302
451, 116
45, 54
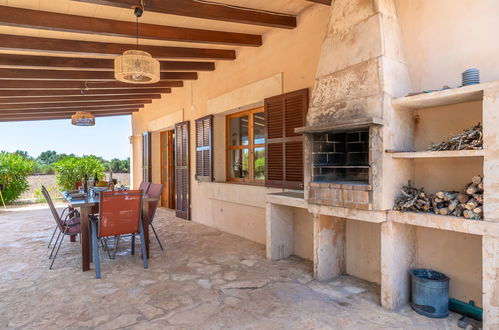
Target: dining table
86, 206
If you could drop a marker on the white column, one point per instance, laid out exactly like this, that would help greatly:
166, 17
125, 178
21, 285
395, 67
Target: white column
490, 269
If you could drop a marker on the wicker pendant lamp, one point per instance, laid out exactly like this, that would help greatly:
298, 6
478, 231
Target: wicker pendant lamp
83, 118
135, 66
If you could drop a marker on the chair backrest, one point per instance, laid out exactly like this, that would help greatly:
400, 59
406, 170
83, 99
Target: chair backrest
154, 192
119, 212
144, 186
55, 214
78, 185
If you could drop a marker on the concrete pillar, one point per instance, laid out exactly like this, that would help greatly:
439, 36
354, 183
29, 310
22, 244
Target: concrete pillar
398, 254
491, 160
280, 234
490, 269
329, 247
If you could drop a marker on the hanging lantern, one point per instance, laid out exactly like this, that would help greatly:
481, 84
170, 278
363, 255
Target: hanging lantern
136, 67
83, 118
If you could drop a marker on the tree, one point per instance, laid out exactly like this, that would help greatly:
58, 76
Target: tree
14, 171
71, 169
23, 154
48, 157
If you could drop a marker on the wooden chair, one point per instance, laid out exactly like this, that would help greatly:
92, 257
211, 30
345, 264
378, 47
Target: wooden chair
144, 186
120, 213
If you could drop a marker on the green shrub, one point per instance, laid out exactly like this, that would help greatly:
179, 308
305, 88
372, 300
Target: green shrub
71, 169
14, 172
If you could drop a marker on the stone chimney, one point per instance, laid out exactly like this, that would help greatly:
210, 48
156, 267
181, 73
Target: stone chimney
361, 69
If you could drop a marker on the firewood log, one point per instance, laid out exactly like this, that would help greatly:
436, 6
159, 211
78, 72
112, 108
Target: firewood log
440, 195
462, 198
444, 211
472, 204
450, 195
480, 187
472, 189
458, 212
468, 214
479, 198
478, 210
477, 179
453, 205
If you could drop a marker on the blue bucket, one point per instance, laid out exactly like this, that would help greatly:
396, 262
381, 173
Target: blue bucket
430, 293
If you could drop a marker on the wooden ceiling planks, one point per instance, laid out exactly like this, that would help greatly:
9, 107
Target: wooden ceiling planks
37, 19
82, 48
50, 92
207, 10
75, 105
57, 62
18, 117
78, 85
77, 75
81, 98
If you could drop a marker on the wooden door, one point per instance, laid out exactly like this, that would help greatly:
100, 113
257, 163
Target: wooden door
167, 170
146, 157
182, 175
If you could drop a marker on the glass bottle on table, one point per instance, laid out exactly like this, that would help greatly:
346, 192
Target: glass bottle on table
85, 183
96, 179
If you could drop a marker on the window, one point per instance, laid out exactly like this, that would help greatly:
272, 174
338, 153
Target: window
246, 146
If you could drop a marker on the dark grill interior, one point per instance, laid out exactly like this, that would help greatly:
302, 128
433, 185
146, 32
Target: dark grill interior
341, 157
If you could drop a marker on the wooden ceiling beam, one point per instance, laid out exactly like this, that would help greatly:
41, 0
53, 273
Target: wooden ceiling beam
6, 113
36, 19
212, 11
75, 63
52, 92
78, 85
81, 98
52, 117
77, 75
66, 46
76, 105
323, 2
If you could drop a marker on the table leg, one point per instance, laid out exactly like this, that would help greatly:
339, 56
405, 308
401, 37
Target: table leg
72, 238
85, 239
145, 225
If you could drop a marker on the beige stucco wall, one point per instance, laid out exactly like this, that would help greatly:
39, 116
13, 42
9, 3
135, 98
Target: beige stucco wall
445, 37
286, 62
457, 255
363, 250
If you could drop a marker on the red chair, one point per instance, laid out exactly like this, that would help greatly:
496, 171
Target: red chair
119, 214
67, 227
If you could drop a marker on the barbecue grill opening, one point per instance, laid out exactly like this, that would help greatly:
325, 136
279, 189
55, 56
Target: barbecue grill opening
341, 157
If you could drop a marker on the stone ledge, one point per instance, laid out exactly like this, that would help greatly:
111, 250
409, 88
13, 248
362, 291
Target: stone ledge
348, 213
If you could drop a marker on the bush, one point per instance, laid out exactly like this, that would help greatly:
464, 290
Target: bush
14, 172
71, 169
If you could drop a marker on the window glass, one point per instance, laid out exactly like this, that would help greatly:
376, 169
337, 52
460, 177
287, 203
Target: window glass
259, 127
239, 163
259, 165
239, 131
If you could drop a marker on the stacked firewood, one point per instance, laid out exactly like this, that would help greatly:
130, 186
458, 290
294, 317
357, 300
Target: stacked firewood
467, 204
470, 139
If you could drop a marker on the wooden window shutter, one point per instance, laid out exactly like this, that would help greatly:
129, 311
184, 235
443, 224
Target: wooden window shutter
204, 148
284, 147
146, 157
182, 180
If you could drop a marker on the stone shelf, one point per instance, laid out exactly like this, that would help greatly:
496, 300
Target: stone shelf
445, 222
445, 97
293, 199
438, 154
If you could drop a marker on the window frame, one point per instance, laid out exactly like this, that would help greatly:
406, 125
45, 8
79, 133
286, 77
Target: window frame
250, 147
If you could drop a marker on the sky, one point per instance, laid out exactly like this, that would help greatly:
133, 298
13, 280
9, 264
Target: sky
107, 139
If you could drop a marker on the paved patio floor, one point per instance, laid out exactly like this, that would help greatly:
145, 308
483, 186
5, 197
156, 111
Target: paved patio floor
205, 279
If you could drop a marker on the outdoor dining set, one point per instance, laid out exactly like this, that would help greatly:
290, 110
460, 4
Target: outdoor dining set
100, 216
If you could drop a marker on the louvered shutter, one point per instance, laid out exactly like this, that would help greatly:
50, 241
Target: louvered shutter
146, 157
182, 182
284, 147
204, 148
